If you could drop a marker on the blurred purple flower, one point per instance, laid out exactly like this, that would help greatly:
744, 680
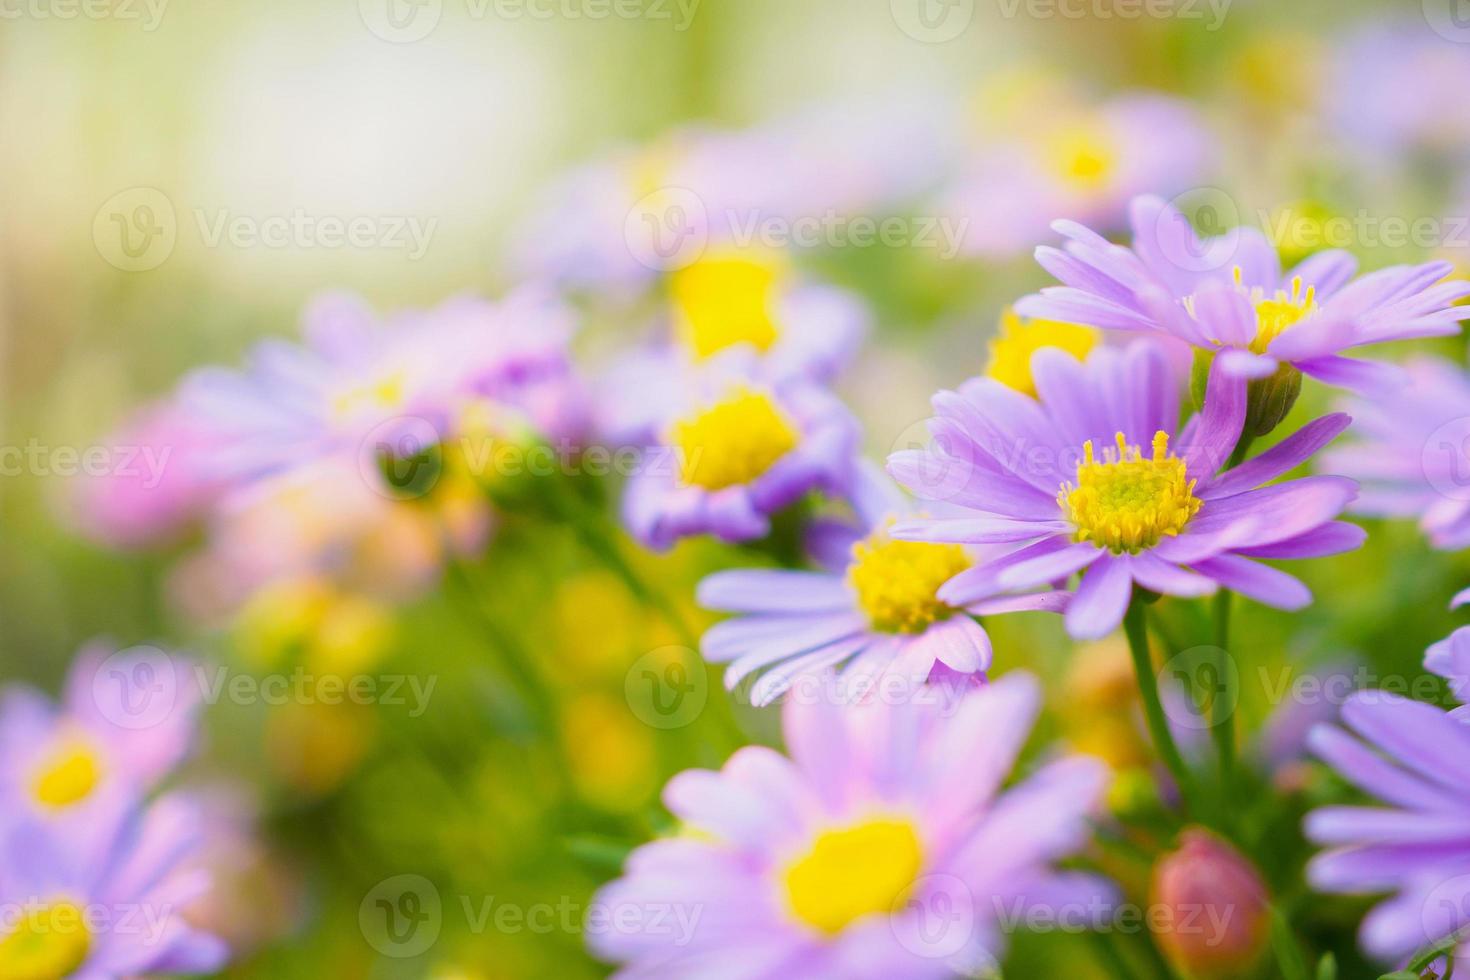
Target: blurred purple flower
1037, 474
106, 914
1413, 757
1410, 456
1086, 163
881, 848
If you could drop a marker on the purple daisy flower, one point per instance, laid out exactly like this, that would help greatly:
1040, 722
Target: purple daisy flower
1088, 162
737, 450
1412, 756
116, 913
875, 609
126, 721
358, 383
1084, 480
1410, 457
880, 848
739, 298
1227, 296
1450, 659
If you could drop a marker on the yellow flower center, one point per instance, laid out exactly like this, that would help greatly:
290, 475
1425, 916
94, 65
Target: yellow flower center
1011, 350
896, 581
68, 776
734, 441
862, 870
381, 393
1083, 156
48, 942
1127, 502
722, 301
1275, 314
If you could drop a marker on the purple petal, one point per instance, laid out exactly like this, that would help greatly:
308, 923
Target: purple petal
1101, 600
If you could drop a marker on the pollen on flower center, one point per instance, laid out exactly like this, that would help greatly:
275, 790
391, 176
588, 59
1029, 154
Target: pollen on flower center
732, 442
724, 301
1276, 313
1128, 502
861, 870
45, 942
68, 775
896, 581
382, 393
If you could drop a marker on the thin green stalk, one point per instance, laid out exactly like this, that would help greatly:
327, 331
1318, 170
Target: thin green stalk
1222, 705
1288, 953
512, 657
1135, 625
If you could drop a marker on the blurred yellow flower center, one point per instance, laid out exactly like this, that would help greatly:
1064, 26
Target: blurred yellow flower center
896, 581
381, 393
1083, 156
1011, 350
722, 302
1277, 313
734, 441
68, 776
862, 870
48, 942
1126, 501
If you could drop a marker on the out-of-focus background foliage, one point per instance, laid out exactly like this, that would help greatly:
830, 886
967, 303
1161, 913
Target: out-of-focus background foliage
276, 107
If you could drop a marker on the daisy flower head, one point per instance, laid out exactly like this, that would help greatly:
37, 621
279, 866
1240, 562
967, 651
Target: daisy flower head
727, 299
126, 720
1411, 452
111, 913
1227, 297
875, 611
1096, 477
735, 449
1018, 340
1411, 756
882, 847
1053, 153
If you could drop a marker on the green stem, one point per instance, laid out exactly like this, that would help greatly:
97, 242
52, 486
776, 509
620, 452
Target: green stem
1288, 953
513, 658
1222, 704
1135, 625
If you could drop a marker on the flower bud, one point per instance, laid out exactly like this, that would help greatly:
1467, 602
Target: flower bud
1268, 400
1211, 911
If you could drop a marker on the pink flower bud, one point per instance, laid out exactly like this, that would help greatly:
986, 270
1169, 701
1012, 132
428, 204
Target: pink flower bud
1210, 911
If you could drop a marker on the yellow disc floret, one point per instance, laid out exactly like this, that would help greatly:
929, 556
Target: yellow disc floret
1127, 502
897, 581
1276, 313
1083, 156
44, 942
1011, 350
721, 301
852, 872
68, 775
734, 441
